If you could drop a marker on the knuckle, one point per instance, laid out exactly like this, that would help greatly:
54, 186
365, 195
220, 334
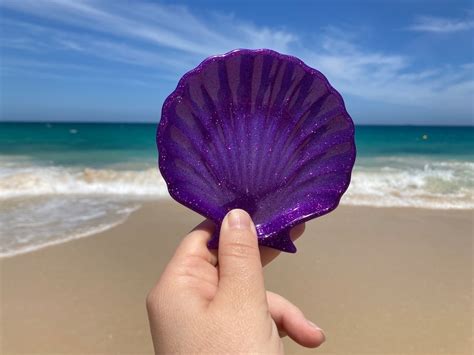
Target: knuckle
161, 300
239, 249
191, 262
156, 297
190, 270
152, 300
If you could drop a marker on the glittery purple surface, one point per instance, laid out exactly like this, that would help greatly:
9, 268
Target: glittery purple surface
261, 131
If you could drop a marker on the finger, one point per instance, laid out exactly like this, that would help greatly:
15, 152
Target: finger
191, 273
193, 263
290, 320
194, 245
268, 254
240, 268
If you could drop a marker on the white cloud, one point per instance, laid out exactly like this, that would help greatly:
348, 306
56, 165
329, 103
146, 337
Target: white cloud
172, 39
78, 72
171, 27
391, 78
42, 39
441, 25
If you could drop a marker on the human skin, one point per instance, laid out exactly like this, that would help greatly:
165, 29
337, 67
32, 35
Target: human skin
209, 302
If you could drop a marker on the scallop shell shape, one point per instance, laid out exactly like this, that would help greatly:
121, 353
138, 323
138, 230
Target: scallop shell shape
260, 131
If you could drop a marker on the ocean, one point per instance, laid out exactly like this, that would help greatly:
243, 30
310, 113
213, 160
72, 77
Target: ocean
61, 181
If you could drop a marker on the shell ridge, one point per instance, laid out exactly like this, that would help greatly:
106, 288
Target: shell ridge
224, 95
309, 134
295, 127
275, 67
296, 92
311, 111
229, 98
244, 91
266, 70
178, 156
205, 132
198, 171
320, 155
307, 82
218, 138
286, 81
318, 177
278, 117
277, 85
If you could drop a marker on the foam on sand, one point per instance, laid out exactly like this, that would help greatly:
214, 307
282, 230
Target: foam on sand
34, 223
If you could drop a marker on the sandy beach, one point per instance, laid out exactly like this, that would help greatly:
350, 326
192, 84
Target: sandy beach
377, 280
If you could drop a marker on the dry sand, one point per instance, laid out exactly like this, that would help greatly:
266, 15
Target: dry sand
379, 281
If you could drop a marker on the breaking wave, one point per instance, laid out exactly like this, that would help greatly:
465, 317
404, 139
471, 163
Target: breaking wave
46, 205
402, 183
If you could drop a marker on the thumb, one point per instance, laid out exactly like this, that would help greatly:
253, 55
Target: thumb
240, 268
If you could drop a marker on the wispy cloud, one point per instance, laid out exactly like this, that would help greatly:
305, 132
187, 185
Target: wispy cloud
152, 35
441, 24
390, 77
60, 70
171, 39
172, 27
41, 39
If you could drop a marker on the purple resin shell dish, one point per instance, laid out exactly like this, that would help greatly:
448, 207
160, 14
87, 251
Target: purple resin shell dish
260, 131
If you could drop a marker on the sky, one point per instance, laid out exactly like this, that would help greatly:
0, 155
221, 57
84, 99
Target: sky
394, 62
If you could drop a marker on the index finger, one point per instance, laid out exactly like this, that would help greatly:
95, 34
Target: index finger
195, 244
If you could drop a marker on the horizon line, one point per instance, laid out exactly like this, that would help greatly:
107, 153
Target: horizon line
157, 122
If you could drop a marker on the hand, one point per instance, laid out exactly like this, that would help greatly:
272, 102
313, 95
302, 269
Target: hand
200, 306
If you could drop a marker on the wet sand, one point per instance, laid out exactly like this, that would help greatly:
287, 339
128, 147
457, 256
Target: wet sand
377, 280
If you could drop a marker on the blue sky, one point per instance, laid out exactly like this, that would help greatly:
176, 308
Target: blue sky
395, 62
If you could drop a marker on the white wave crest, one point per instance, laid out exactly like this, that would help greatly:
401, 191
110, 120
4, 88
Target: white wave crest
437, 185
68, 181
397, 183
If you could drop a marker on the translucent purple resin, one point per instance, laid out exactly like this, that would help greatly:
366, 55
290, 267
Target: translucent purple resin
261, 131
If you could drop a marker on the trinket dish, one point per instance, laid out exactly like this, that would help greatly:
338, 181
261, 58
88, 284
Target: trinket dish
260, 131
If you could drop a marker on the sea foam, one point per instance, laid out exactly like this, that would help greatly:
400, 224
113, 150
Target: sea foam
28, 224
66, 181
47, 205
438, 185
412, 183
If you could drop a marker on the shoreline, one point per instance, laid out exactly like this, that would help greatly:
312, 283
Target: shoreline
377, 280
98, 230
93, 232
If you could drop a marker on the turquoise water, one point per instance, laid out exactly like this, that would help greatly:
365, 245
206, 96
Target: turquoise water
80, 144
70, 144
62, 181
453, 143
